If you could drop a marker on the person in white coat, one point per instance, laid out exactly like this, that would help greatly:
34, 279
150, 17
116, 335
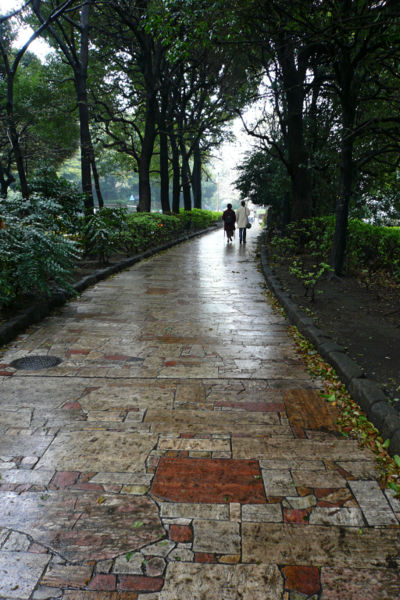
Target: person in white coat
242, 218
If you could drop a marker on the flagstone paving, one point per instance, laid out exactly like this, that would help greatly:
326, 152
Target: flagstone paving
180, 450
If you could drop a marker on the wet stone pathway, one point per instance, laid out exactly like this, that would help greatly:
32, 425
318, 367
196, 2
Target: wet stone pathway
180, 451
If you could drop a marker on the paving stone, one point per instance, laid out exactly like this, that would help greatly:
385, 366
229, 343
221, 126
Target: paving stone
41, 477
101, 451
16, 542
345, 517
318, 479
362, 469
67, 576
278, 483
20, 445
208, 481
220, 582
193, 444
218, 537
69, 522
300, 502
368, 584
290, 544
46, 593
198, 421
194, 511
20, 573
155, 567
181, 554
9, 418
262, 513
373, 503
162, 548
292, 463
140, 478
333, 449
391, 496
129, 564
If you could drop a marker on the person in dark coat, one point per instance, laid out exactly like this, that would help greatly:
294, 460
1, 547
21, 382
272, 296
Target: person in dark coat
229, 219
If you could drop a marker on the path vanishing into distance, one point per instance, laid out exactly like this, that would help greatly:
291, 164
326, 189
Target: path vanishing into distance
180, 450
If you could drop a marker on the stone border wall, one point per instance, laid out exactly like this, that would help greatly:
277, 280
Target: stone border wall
366, 392
36, 312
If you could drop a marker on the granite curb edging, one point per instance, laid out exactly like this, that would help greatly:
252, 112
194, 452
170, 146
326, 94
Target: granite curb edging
35, 313
366, 392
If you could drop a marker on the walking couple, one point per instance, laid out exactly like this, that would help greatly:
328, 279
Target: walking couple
241, 218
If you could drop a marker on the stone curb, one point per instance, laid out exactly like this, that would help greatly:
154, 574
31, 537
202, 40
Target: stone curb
366, 392
39, 311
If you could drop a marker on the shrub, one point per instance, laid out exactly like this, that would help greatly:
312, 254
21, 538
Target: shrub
35, 254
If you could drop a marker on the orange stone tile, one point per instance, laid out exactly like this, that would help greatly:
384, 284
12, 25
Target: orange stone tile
209, 480
305, 580
307, 410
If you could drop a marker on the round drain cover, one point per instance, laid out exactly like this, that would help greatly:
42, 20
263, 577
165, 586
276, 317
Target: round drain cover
34, 363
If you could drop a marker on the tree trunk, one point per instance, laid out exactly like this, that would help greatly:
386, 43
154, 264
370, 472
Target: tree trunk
196, 177
146, 155
6, 179
293, 78
96, 180
176, 186
185, 175
345, 182
164, 161
14, 138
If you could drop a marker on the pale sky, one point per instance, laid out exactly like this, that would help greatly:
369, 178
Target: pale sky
38, 46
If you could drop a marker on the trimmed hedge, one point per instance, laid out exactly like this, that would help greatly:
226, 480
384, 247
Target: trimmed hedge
369, 247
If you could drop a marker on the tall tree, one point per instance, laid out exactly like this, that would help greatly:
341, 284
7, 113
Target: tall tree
11, 61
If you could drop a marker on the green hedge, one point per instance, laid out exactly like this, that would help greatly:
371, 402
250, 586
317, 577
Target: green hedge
369, 247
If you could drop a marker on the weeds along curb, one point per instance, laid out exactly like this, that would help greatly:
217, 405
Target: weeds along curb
37, 312
366, 392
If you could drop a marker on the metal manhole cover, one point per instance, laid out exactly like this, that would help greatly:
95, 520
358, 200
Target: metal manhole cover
34, 363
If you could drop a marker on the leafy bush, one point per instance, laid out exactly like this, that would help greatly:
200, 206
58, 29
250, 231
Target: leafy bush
35, 254
369, 247
46, 184
115, 230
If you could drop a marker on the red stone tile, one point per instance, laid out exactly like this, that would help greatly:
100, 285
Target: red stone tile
180, 533
138, 583
6, 374
187, 436
116, 357
170, 363
305, 580
72, 406
209, 480
89, 486
71, 352
64, 479
291, 515
204, 557
298, 432
103, 582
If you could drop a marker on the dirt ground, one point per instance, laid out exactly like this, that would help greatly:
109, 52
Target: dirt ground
364, 319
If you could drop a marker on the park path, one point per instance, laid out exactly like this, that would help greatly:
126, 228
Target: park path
180, 451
